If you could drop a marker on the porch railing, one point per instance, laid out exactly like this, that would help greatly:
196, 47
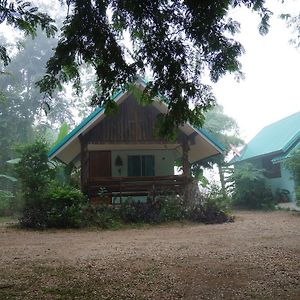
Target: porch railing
133, 186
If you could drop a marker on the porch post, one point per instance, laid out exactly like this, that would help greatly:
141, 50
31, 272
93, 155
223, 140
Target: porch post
84, 164
186, 166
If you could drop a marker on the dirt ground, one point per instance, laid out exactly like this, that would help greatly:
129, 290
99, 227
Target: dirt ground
256, 257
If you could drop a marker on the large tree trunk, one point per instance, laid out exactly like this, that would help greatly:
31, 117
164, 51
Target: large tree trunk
186, 167
191, 189
192, 194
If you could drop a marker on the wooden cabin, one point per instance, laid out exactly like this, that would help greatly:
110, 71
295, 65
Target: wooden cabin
120, 155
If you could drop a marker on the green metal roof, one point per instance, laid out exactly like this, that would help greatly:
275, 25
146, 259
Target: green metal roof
99, 110
278, 137
285, 155
211, 138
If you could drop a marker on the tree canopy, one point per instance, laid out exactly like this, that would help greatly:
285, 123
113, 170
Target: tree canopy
226, 130
25, 17
175, 41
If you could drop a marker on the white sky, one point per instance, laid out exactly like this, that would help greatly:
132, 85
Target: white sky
271, 89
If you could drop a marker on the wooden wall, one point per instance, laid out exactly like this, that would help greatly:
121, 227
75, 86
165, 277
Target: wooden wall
133, 123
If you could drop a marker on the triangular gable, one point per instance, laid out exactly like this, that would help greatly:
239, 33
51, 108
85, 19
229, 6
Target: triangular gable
69, 148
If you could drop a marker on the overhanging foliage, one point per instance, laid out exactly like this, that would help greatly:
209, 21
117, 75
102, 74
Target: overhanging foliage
176, 40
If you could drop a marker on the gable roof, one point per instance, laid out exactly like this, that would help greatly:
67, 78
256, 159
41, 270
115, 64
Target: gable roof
277, 138
98, 114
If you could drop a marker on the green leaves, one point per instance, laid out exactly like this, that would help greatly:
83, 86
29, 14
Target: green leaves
25, 17
173, 40
293, 164
63, 131
249, 188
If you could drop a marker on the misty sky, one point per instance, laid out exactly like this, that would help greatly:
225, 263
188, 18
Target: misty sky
271, 89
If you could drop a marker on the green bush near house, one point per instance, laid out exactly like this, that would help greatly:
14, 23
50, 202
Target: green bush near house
46, 202
293, 164
172, 208
65, 206
138, 212
209, 212
249, 188
213, 209
102, 216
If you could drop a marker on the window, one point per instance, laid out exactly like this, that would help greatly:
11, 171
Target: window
141, 165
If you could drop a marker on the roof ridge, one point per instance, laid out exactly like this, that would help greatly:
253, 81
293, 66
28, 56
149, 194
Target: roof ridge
278, 121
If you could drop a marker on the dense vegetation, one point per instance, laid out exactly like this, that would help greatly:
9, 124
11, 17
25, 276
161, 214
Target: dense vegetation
176, 41
293, 164
249, 189
49, 202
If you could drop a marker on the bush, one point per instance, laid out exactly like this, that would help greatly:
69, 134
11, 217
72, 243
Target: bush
293, 164
65, 206
211, 211
250, 190
62, 206
47, 203
102, 216
171, 208
34, 173
138, 212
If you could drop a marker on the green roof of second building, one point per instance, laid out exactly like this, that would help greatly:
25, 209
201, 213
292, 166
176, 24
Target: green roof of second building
274, 138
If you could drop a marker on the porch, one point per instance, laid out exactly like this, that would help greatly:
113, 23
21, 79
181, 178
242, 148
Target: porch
108, 187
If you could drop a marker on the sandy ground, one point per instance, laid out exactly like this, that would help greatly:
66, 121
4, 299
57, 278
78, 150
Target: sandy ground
256, 257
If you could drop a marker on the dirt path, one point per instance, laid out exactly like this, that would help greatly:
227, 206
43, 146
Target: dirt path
257, 257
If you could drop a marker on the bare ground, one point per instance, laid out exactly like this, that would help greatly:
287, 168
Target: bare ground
257, 257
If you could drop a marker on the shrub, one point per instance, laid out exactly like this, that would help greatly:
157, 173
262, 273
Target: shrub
171, 208
33, 170
47, 203
293, 164
65, 206
138, 212
102, 216
62, 206
211, 211
250, 190
212, 208
34, 173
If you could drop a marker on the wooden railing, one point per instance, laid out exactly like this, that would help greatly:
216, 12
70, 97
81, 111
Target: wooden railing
142, 185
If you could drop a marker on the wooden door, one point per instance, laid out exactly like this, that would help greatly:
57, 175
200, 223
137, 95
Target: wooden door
100, 164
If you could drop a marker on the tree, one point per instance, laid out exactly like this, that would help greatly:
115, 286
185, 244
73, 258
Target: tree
226, 130
293, 22
25, 17
249, 189
20, 110
175, 40
292, 163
